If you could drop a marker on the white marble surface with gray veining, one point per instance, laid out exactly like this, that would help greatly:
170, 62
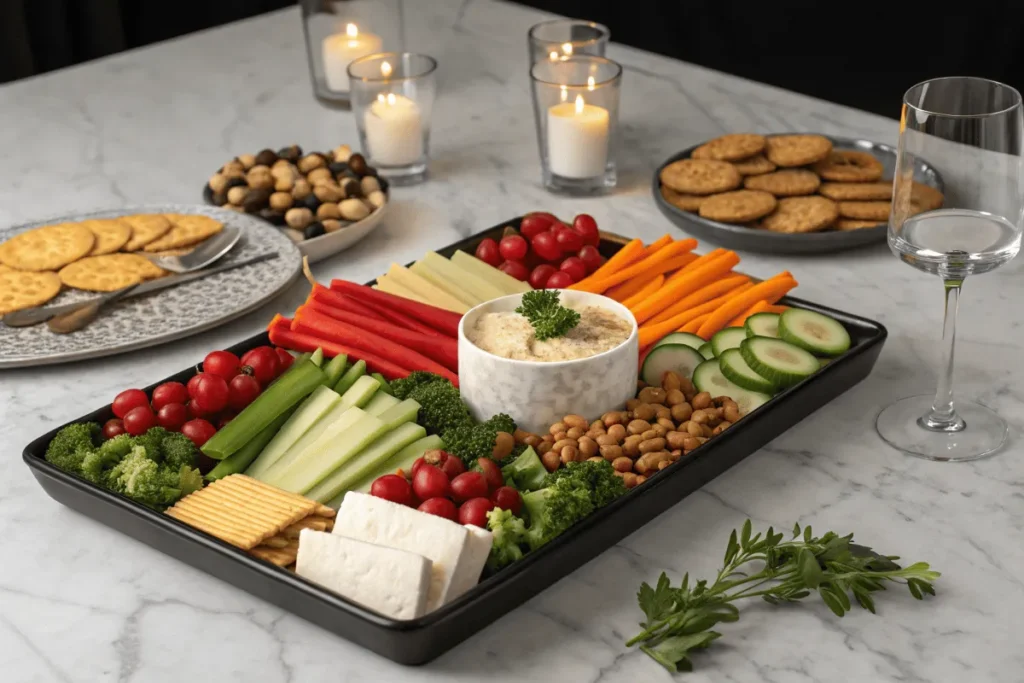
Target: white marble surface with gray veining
80, 602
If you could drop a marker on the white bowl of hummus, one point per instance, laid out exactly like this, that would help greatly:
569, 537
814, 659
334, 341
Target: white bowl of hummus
504, 368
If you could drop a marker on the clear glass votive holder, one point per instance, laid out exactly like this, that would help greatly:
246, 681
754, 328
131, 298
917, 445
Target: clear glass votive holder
561, 38
392, 99
576, 106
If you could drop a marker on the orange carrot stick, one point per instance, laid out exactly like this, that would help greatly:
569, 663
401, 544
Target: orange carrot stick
650, 333
776, 309
627, 289
684, 285
694, 325
628, 255
715, 289
773, 287
657, 244
758, 307
655, 262
700, 262
649, 289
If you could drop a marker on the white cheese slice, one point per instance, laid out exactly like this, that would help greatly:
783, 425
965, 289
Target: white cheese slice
393, 582
472, 561
375, 520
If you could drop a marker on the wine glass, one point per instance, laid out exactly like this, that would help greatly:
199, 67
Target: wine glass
971, 130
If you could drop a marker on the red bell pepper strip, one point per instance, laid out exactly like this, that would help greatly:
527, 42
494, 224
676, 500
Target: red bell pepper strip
438, 318
281, 335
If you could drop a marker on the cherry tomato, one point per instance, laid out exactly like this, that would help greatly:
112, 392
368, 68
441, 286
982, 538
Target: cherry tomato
128, 400
568, 240
533, 225
242, 390
487, 251
284, 359
198, 431
452, 467
513, 248
586, 227
113, 427
507, 498
540, 275
474, 511
516, 269
575, 267
442, 507
171, 416
262, 363
416, 465
221, 363
192, 411
224, 418
191, 386
491, 472
591, 257
392, 487
559, 280
139, 419
469, 485
430, 482
552, 218
169, 392
546, 246
211, 394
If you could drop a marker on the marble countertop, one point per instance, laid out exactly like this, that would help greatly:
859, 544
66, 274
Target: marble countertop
80, 602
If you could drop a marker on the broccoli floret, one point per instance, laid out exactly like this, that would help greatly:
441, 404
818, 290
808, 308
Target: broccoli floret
509, 533
554, 509
441, 406
118, 447
97, 465
527, 472
401, 388
69, 447
145, 481
471, 441
153, 442
189, 480
179, 451
597, 478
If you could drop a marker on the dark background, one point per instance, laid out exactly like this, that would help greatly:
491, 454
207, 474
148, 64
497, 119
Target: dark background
863, 54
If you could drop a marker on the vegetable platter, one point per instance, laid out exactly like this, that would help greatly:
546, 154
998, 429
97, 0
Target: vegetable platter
516, 571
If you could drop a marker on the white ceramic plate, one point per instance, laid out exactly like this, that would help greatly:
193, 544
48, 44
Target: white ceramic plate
319, 248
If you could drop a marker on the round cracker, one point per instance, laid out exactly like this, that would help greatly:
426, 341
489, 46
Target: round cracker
849, 166
186, 230
146, 227
731, 147
801, 214
796, 150
925, 198
111, 234
700, 176
755, 165
788, 182
109, 272
47, 248
846, 224
866, 211
19, 289
686, 202
845, 192
740, 206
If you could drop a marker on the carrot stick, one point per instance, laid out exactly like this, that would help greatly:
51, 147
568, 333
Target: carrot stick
758, 307
776, 309
715, 289
438, 318
687, 284
694, 325
629, 254
649, 289
650, 333
700, 262
655, 261
658, 244
627, 289
281, 336
774, 287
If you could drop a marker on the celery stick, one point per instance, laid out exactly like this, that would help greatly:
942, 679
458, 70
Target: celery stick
379, 403
334, 419
318, 357
360, 393
367, 460
242, 458
334, 369
319, 404
357, 370
384, 385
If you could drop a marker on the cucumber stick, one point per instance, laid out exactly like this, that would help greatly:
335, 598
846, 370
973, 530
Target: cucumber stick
706, 350
319, 403
384, 385
380, 402
369, 459
402, 460
778, 361
357, 370
681, 338
738, 372
293, 386
814, 332
360, 393
317, 357
243, 457
678, 358
334, 369
726, 339
708, 377
762, 325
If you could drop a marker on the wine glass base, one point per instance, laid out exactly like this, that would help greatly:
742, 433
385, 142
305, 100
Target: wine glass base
983, 435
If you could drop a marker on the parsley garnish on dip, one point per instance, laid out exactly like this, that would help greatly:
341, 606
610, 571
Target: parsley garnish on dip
541, 329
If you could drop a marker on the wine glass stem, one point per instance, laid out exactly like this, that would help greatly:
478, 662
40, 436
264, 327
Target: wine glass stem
942, 417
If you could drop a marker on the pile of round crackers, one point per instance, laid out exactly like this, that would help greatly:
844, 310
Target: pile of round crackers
790, 184
94, 255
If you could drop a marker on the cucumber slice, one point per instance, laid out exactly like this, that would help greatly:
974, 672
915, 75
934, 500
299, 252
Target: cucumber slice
686, 338
678, 358
762, 325
708, 377
738, 372
778, 361
706, 350
814, 332
729, 338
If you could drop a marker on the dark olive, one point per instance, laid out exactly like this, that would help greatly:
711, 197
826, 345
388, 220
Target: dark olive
256, 200
271, 216
219, 199
266, 157
235, 182
310, 201
291, 153
358, 164
337, 168
383, 184
370, 170
313, 230
351, 188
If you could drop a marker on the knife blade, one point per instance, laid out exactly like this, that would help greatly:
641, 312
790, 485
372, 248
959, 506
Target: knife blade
40, 314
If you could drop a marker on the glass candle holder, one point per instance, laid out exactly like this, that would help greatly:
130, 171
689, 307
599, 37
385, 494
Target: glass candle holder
576, 105
392, 99
561, 38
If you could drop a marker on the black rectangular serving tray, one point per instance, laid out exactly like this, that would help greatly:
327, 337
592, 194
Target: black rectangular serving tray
421, 640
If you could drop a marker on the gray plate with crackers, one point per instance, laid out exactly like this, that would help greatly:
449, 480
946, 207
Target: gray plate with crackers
787, 193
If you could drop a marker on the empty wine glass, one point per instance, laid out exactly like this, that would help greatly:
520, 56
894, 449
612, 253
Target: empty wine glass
971, 129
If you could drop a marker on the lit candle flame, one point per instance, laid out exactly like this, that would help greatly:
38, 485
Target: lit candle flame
567, 49
553, 56
351, 30
391, 99
380, 98
579, 104
565, 93
385, 70
590, 82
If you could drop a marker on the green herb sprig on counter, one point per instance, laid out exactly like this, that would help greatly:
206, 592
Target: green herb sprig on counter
679, 619
548, 317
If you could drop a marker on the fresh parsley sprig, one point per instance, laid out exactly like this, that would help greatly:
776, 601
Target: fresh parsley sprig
679, 619
548, 317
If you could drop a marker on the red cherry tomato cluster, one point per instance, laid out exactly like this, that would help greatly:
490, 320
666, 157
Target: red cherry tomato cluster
440, 485
225, 386
547, 253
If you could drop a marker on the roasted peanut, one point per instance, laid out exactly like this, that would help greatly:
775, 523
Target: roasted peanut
532, 440
631, 446
649, 461
701, 400
681, 412
700, 417
649, 434
503, 445
559, 436
618, 474
574, 432
670, 382
610, 453
692, 428
610, 418
548, 437
702, 440
665, 463
629, 479
617, 432
597, 426
557, 427
596, 458
674, 397
638, 426
722, 426
690, 442
551, 461
644, 411
675, 440
607, 440
676, 454
593, 435
686, 386
662, 412
632, 403
640, 479
587, 446
575, 421
652, 395
562, 443
543, 447
707, 431
731, 413
652, 445
569, 454
520, 435
666, 424
622, 464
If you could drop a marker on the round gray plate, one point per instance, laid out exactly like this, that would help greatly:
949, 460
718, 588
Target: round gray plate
169, 314
749, 239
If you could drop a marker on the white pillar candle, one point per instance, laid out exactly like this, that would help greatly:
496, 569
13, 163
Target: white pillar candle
394, 131
341, 49
577, 139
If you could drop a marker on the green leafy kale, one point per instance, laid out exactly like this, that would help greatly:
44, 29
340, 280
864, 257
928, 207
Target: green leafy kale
547, 316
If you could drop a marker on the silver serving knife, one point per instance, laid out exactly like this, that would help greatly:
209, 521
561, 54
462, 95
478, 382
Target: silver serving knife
39, 314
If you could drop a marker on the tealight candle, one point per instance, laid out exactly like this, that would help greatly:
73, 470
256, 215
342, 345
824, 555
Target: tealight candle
577, 139
394, 130
341, 49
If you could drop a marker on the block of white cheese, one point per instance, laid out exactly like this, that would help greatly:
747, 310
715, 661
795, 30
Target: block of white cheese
472, 561
393, 582
375, 520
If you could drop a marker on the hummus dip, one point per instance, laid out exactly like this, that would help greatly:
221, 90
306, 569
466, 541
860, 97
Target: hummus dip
510, 335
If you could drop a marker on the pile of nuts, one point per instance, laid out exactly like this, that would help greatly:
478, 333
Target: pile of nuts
657, 428
311, 194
